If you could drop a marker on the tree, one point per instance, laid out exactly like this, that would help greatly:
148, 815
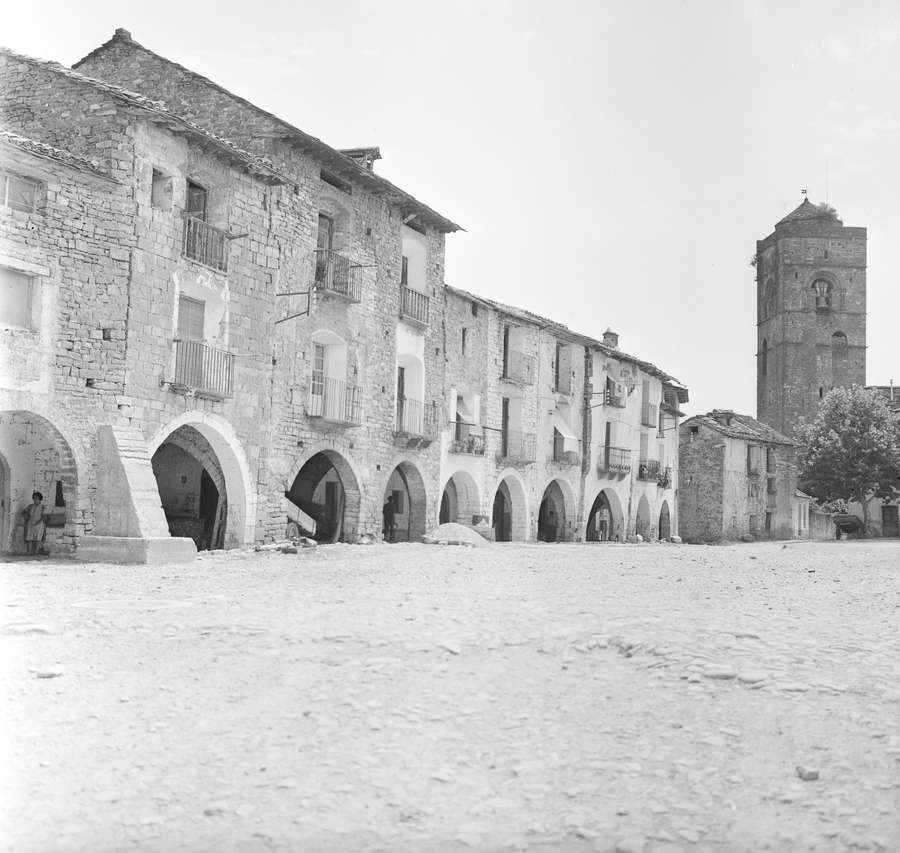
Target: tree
851, 451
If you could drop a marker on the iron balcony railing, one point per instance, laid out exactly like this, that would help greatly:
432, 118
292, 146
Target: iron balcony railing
413, 305
334, 400
616, 460
205, 244
516, 446
648, 469
415, 418
467, 438
565, 452
650, 414
518, 368
610, 398
337, 274
664, 478
204, 368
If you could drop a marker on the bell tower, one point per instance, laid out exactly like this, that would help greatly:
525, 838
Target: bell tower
811, 313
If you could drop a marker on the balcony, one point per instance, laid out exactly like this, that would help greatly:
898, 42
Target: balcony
565, 453
337, 274
648, 469
516, 446
615, 460
203, 369
205, 244
664, 480
334, 401
518, 368
650, 415
415, 419
413, 305
467, 438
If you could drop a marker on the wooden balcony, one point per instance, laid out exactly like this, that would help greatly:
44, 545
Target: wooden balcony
334, 401
336, 274
203, 369
413, 306
204, 244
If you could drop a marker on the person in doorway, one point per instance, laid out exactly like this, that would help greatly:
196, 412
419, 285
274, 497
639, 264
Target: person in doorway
390, 524
35, 525
603, 524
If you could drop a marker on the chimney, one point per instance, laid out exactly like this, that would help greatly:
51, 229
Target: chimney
366, 157
610, 339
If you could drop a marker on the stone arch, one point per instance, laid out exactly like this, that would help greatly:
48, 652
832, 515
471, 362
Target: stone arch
665, 522
823, 292
220, 441
615, 530
463, 501
642, 522
407, 485
35, 455
327, 488
556, 513
509, 515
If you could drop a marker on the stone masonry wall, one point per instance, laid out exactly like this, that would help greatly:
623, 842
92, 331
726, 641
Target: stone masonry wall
701, 490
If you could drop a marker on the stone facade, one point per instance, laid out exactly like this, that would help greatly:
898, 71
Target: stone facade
811, 313
738, 479
220, 340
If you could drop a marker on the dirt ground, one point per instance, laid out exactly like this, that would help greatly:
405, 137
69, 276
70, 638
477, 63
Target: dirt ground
653, 698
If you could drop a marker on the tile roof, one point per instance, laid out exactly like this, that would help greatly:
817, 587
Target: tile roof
259, 167
809, 211
739, 426
41, 149
333, 158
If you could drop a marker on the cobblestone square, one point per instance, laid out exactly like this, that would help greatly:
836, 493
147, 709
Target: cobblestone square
648, 698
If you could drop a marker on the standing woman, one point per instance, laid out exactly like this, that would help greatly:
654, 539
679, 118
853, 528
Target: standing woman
34, 524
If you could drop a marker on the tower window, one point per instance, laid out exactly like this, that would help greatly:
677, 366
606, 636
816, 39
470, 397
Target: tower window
820, 392
821, 290
764, 358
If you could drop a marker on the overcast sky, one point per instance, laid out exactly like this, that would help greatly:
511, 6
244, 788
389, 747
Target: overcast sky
613, 163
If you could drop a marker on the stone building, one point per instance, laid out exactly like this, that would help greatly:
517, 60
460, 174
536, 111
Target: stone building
214, 326
738, 479
811, 324
563, 437
811, 313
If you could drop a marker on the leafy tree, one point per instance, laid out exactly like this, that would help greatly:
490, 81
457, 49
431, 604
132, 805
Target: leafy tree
851, 450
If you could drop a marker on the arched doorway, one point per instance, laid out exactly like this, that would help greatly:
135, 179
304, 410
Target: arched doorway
600, 527
460, 501
406, 489
509, 516
326, 489
212, 445
192, 488
35, 457
552, 515
642, 520
665, 523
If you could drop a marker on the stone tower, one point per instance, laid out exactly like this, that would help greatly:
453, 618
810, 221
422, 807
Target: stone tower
811, 313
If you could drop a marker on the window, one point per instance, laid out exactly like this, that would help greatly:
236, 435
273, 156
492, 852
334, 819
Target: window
196, 201
764, 358
404, 271
318, 374
161, 190
557, 376
770, 461
822, 292
462, 343
191, 316
17, 192
17, 299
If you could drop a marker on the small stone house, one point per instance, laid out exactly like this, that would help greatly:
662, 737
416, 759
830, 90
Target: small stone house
738, 480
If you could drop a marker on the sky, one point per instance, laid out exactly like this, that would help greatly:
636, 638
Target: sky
612, 163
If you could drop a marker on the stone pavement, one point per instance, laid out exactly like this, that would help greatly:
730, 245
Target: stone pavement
646, 698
